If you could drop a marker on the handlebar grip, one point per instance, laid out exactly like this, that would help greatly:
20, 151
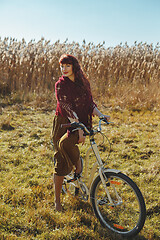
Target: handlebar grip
76, 125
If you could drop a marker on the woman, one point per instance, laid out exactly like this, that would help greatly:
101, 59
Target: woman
74, 103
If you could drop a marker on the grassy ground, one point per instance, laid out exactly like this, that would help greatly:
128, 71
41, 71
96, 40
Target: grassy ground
26, 169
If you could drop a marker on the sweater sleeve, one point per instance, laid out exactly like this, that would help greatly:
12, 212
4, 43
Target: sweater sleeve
92, 104
64, 100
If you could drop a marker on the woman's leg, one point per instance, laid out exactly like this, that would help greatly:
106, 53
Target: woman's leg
78, 166
70, 151
58, 181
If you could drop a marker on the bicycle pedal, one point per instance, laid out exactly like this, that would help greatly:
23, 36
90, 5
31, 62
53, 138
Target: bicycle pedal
71, 180
76, 177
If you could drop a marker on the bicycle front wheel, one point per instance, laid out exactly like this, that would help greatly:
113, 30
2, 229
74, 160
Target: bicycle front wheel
123, 209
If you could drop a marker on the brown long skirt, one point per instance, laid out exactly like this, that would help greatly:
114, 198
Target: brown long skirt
66, 150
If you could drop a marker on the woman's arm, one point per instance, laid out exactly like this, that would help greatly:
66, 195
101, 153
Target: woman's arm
98, 113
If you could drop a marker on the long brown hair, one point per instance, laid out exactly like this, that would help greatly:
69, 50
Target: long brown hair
80, 78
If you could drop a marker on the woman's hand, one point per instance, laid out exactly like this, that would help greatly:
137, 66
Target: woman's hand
106, 117
81, 136
99, 114
80, 131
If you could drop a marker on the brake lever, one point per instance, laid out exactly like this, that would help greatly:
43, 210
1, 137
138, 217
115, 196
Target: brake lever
105, 120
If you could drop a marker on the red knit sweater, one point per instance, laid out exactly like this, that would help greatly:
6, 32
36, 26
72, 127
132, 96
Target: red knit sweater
73, 101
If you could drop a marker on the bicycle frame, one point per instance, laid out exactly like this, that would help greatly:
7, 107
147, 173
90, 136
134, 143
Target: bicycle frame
94, 168
98, 164
103, 188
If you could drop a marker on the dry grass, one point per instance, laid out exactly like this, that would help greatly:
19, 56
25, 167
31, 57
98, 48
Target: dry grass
26, 173
126, 76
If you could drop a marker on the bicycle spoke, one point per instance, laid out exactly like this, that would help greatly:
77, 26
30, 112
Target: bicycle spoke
124, 213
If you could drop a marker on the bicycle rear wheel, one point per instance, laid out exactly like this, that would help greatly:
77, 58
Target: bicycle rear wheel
125, 214
71, 187
77, 188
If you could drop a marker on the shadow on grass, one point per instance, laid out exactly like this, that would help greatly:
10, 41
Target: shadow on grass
87, 220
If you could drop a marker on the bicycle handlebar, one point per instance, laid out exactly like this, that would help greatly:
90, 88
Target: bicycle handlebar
77, 125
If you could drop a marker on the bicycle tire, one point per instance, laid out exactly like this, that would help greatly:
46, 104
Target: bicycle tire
125, 218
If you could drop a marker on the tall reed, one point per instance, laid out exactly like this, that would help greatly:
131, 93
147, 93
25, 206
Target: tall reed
123, 75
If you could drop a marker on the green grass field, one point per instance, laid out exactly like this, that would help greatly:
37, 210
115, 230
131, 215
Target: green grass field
26, 175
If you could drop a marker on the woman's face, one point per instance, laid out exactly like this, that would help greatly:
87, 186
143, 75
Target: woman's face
67, 71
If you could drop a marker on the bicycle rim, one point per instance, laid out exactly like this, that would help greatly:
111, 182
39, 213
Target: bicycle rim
126, 214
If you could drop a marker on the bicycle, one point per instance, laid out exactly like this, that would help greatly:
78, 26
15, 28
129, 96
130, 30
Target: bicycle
116, 200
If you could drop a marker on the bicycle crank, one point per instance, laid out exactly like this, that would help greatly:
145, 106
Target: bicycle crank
83, 190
